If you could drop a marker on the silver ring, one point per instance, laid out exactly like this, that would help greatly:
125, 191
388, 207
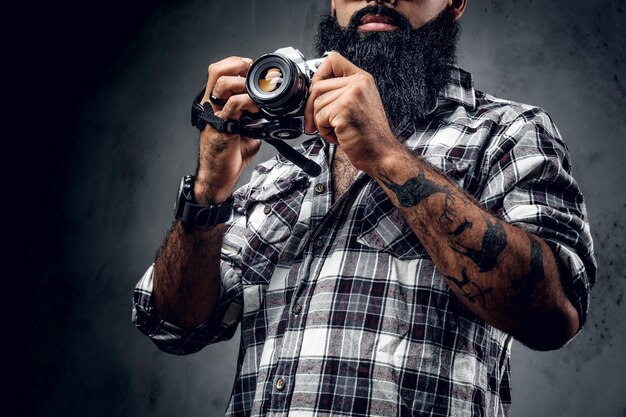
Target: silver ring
217, 101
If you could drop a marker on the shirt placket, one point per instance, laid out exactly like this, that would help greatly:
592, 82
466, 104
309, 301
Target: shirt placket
280, 382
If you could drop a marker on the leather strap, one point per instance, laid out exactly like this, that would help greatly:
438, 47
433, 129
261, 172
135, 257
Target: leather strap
206, 216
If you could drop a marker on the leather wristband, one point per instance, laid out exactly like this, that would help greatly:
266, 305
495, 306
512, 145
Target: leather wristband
191, 213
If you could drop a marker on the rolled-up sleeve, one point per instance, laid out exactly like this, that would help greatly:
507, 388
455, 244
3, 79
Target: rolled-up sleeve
222, 324
530, 185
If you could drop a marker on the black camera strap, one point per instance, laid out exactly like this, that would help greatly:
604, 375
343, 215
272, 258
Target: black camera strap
202, 114
206, 115
308, 166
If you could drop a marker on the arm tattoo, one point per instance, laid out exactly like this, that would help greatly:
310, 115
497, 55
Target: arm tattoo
526, 285
494, 242
449, 213
466, 225
415, 190
478, 294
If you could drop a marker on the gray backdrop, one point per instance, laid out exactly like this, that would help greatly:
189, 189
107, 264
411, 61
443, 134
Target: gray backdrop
125, 77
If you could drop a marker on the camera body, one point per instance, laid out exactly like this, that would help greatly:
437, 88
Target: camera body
279, 83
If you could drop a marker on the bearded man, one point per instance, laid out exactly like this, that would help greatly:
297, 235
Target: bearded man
445, 222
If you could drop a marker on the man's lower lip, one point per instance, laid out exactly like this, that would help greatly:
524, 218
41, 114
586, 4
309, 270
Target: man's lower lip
377, 26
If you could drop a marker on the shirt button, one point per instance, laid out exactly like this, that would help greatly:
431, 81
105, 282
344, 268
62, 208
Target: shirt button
297, 308
320, 188
267, 209
280, 384
318, 243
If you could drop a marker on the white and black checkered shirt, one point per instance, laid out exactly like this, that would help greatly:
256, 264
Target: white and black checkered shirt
342, 311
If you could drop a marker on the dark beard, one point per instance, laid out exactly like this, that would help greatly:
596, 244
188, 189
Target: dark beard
410, 66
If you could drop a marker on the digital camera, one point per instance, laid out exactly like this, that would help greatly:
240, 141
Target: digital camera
279, 83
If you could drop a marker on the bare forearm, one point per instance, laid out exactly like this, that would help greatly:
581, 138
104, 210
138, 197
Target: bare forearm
505, 275
186, 275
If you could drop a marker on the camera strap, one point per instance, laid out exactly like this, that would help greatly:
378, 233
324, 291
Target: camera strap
202, 114
206, 115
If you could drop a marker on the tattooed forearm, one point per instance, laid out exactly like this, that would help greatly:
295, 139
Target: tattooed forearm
493, 243
464, 283
412, 192
508, 278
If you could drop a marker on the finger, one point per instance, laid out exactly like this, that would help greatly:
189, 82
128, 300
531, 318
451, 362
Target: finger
327, 98
319, 88
323, 122
227, 86
231, 66
317, 104
335, 66
236, 105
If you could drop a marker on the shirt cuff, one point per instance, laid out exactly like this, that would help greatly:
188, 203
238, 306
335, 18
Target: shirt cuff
176, 339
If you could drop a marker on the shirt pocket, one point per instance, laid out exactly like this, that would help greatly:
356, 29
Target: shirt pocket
271, 210
383, 227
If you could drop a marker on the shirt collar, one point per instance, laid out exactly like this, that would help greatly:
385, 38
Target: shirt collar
459, 89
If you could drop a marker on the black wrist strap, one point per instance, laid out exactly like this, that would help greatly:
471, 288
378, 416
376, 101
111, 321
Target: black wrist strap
205, 115
201, 114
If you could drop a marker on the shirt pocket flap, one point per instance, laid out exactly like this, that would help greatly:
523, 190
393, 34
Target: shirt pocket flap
276, 187
455, 170
271, 210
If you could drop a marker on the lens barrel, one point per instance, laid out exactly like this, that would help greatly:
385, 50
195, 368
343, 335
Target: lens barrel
276, 84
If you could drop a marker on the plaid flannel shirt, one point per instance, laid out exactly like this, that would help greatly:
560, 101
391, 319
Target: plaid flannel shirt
342, 311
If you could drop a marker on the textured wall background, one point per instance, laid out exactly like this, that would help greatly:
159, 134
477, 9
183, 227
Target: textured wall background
107, 137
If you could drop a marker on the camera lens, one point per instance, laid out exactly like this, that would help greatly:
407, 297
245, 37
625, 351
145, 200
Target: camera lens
270, 79
277, 85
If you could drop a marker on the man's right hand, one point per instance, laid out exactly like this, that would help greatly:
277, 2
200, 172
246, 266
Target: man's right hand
222, 157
